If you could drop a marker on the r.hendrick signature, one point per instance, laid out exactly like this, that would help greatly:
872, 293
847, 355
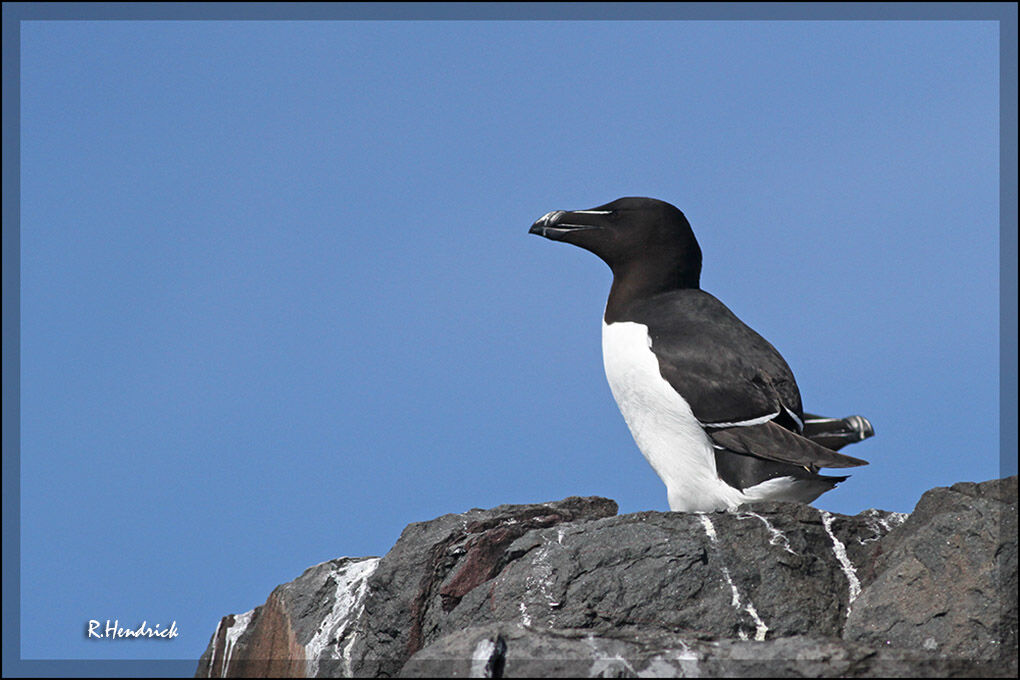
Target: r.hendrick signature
113, 631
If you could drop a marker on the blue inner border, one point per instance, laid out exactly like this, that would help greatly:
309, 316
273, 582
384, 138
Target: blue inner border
15, 13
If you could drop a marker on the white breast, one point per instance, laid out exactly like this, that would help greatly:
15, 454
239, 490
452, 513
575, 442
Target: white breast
662, 423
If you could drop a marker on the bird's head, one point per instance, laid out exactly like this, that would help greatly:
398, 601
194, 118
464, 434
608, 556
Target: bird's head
628, 232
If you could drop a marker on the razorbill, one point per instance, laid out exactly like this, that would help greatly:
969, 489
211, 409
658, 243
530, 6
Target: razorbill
712, 405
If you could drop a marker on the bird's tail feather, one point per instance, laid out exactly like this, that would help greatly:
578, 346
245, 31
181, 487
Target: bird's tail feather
835, 433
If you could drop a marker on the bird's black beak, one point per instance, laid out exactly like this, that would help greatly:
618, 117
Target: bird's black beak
545, 222
558, 223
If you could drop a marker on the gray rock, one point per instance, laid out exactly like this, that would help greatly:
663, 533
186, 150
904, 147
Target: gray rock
515, 651
946, 579
569, 588
771, 570
304, 623
435, 564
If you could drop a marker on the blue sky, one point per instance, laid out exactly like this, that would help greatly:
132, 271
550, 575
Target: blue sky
279, 300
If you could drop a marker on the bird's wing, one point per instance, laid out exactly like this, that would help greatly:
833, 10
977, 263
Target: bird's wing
727, 373
736, 383
775, 442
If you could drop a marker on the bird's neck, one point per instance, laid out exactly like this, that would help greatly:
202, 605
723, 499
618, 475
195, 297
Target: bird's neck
632, 282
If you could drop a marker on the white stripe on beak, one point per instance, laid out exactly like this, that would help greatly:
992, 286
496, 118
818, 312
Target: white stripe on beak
544, 219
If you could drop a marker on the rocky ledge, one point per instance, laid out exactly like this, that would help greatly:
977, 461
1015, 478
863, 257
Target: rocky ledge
571, 589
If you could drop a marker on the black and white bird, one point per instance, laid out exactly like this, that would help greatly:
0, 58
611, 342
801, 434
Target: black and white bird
711, 404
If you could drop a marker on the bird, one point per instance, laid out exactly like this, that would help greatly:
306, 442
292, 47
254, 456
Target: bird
711, 404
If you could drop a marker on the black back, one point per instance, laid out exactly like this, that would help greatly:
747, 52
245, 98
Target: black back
722, 368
